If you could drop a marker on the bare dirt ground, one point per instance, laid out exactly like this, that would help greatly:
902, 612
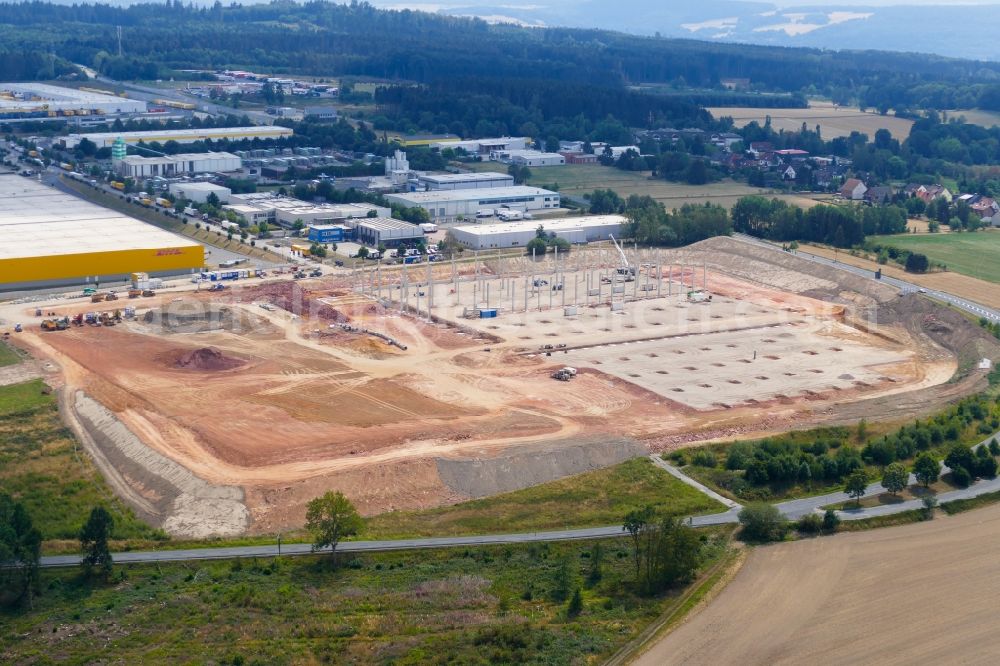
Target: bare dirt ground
922, 593
271, 394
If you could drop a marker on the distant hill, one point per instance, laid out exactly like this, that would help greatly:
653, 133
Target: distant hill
960, 31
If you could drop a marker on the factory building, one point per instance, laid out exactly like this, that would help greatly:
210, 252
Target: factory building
448, 205
275, 209
199, 192
464, 181
375, 231
529, 158
48, 237
168, 166
27, 100
517, 234
484, 146
105, 139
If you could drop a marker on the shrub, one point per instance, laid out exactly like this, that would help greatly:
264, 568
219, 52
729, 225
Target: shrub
762, 522
704, 458
810, 524
831, 521
994, 447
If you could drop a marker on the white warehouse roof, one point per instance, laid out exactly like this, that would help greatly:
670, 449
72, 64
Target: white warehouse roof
518, 234
39, 221
553, 226
483, 196
105, 139
57, 98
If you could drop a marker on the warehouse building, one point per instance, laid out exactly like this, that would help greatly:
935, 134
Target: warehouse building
39, 99
199, 192
529, 158
275, 209
168, 166
105, 139
48, 237
576, 230
484, 146
375, 231
464, 181
448, 205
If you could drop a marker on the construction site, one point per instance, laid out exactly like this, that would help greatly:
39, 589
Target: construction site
406, 387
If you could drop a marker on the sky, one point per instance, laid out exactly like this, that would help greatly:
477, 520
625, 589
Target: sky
880, 3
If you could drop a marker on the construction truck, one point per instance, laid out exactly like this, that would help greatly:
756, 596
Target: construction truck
55, 324
564, 374
134, 293
97, 298
148, 292
111, 296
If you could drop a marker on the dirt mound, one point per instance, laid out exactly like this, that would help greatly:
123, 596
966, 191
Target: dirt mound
208, 358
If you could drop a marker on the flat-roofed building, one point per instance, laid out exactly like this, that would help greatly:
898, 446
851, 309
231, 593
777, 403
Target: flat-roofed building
465, 181
137, 166
448, 205
517, 234
286, 211
199, 192
50, 237
375, 231
105, 139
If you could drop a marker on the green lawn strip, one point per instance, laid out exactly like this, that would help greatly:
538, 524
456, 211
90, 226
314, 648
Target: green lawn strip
593, 499
496, 604
9, 355
41, 466
972, 254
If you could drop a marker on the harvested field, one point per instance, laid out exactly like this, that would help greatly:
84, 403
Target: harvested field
282, 391
868, 597
834, 121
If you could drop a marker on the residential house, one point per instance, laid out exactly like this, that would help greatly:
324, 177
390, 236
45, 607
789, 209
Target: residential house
789, 173
761, 148
928, 193
985, 207
853, 189
878, 196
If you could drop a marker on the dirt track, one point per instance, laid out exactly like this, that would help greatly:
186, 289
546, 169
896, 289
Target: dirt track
923, 593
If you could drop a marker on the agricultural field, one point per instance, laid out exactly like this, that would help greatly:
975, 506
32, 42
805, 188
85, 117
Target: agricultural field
596, 498
833, 120
972, 254
486, 605
866, 597
986, 119
41, 466
8, 356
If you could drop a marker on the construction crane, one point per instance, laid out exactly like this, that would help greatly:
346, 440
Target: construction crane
626, 268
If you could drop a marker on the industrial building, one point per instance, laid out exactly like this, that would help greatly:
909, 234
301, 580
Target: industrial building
199, 192
529, 158
375, 231
484, 146
275, 209
37, 100
517, 234
167, 166
464, 181
48, 237
448, 205
328, 233
105, 139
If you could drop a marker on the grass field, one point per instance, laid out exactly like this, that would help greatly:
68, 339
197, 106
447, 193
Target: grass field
41, 467
8, 356
491, 605
602, 497
834, 121
970, 254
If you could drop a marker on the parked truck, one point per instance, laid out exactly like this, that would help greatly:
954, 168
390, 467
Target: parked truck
118, 185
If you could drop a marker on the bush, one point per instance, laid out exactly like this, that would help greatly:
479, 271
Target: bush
704, 458
961, 477
810, 524
831, 521
762, 522
994, 447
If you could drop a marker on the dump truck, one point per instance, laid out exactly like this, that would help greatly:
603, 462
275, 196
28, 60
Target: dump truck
134, 293
111, 296
97, 298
